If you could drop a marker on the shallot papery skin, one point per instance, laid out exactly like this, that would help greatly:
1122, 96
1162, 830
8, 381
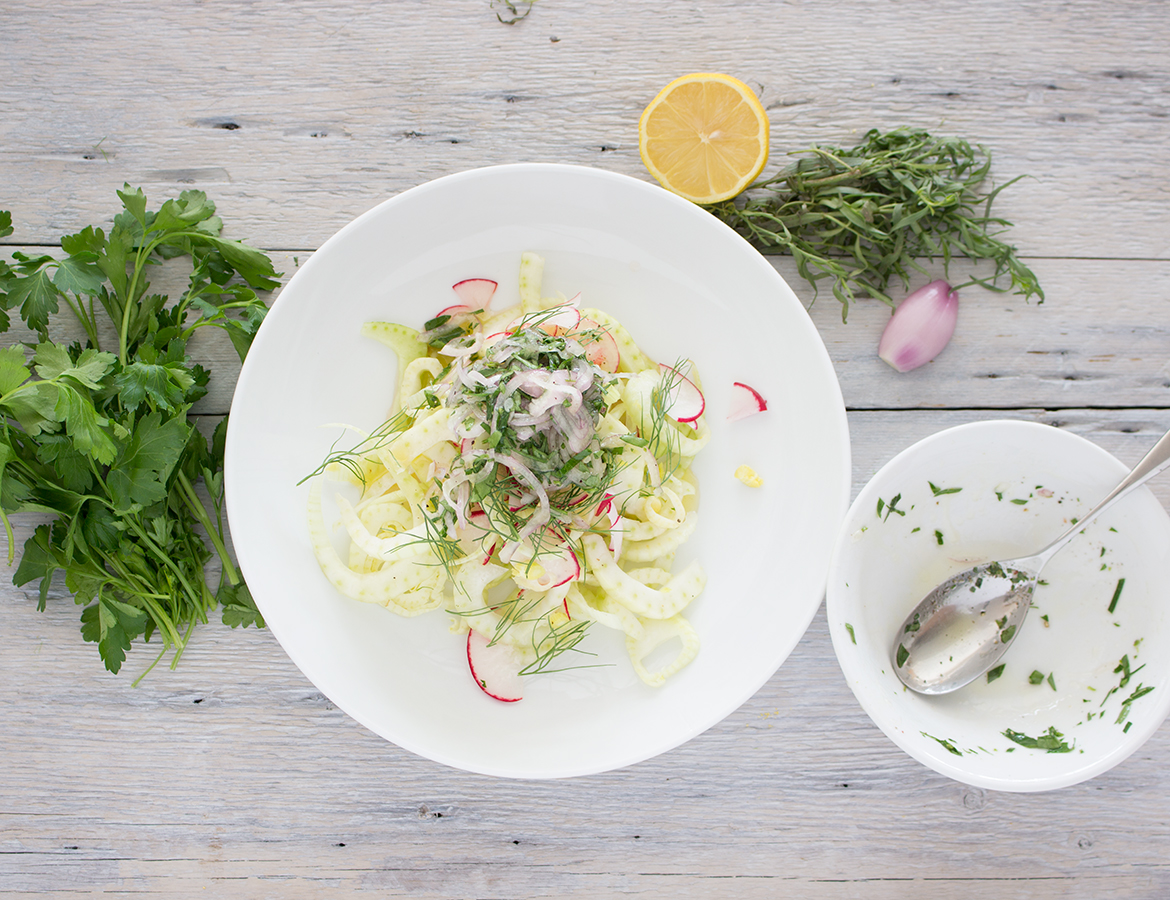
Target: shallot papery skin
920, 327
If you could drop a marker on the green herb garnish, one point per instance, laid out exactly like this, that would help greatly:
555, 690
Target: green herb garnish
938, 536
852, 636
889, 508
102, 441
1138, 693
946, 744
993, 674
903, 655
1036, 677
863, 215
938, 492
1051, 741
1116, 594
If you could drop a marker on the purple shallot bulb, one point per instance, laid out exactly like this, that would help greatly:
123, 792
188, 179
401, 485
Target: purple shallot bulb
920, 327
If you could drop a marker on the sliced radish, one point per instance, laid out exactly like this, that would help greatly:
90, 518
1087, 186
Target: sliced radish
616, 532
551, 569
745, 401
495, 668
477, 293
559, 321
600, 347
686, 401
454, 311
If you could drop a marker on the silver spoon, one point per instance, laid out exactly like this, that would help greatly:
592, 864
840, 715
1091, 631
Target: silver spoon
963, 626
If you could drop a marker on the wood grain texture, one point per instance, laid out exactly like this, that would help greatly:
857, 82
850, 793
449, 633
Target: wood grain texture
301, 115
1099, 340
233, 776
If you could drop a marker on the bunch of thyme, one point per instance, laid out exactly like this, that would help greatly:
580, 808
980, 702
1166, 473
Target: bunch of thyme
865, 214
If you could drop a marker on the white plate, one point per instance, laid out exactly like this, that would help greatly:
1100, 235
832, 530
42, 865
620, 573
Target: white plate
883, 566
685, 286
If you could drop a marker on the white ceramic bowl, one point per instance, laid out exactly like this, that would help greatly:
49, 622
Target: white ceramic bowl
684, 285
883, 565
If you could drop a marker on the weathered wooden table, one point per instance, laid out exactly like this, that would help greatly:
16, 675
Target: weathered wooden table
233, 776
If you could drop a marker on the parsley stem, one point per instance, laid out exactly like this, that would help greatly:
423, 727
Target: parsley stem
195, 595
151, 666
163, 621
200, 513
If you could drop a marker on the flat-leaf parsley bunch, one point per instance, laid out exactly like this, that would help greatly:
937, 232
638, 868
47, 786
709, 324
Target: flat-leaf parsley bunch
101, 440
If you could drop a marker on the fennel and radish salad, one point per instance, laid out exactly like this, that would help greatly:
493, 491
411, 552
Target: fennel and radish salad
533, 479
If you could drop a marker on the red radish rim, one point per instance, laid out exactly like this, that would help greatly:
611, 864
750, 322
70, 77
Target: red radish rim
477, 292
679, 395
743, 405
481, 683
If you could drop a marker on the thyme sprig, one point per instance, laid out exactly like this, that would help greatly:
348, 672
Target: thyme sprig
863, 215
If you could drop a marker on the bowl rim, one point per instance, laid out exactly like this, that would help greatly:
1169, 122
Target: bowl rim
841, 640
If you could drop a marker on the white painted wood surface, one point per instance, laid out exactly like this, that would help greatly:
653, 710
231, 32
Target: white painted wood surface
234, 777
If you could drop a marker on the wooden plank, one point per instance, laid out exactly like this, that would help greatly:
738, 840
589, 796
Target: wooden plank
1099, 340
299, 117
234, 774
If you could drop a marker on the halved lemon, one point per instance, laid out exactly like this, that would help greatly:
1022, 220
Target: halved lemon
705, 137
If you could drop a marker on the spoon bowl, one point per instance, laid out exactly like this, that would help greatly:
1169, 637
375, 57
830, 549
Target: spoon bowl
962, 627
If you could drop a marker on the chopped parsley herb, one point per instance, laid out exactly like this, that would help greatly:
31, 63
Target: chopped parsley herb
1007, 634
1128, 726
938, 492
1019, 502
1044, 619
1052, 680
1036, 677
913, 625
891, 507
1052, 741
903, 655
993, 674
1116, 594
947, 745
852, 636
938, 536
1138, 693
999, 495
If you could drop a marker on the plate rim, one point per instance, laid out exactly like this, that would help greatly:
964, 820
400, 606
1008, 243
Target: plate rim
840, 422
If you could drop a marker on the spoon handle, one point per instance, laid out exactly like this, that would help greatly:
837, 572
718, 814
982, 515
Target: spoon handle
1152, 463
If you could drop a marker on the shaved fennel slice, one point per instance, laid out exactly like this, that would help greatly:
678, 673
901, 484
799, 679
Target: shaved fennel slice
667, 542
658, 632
404, 587
644, 601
